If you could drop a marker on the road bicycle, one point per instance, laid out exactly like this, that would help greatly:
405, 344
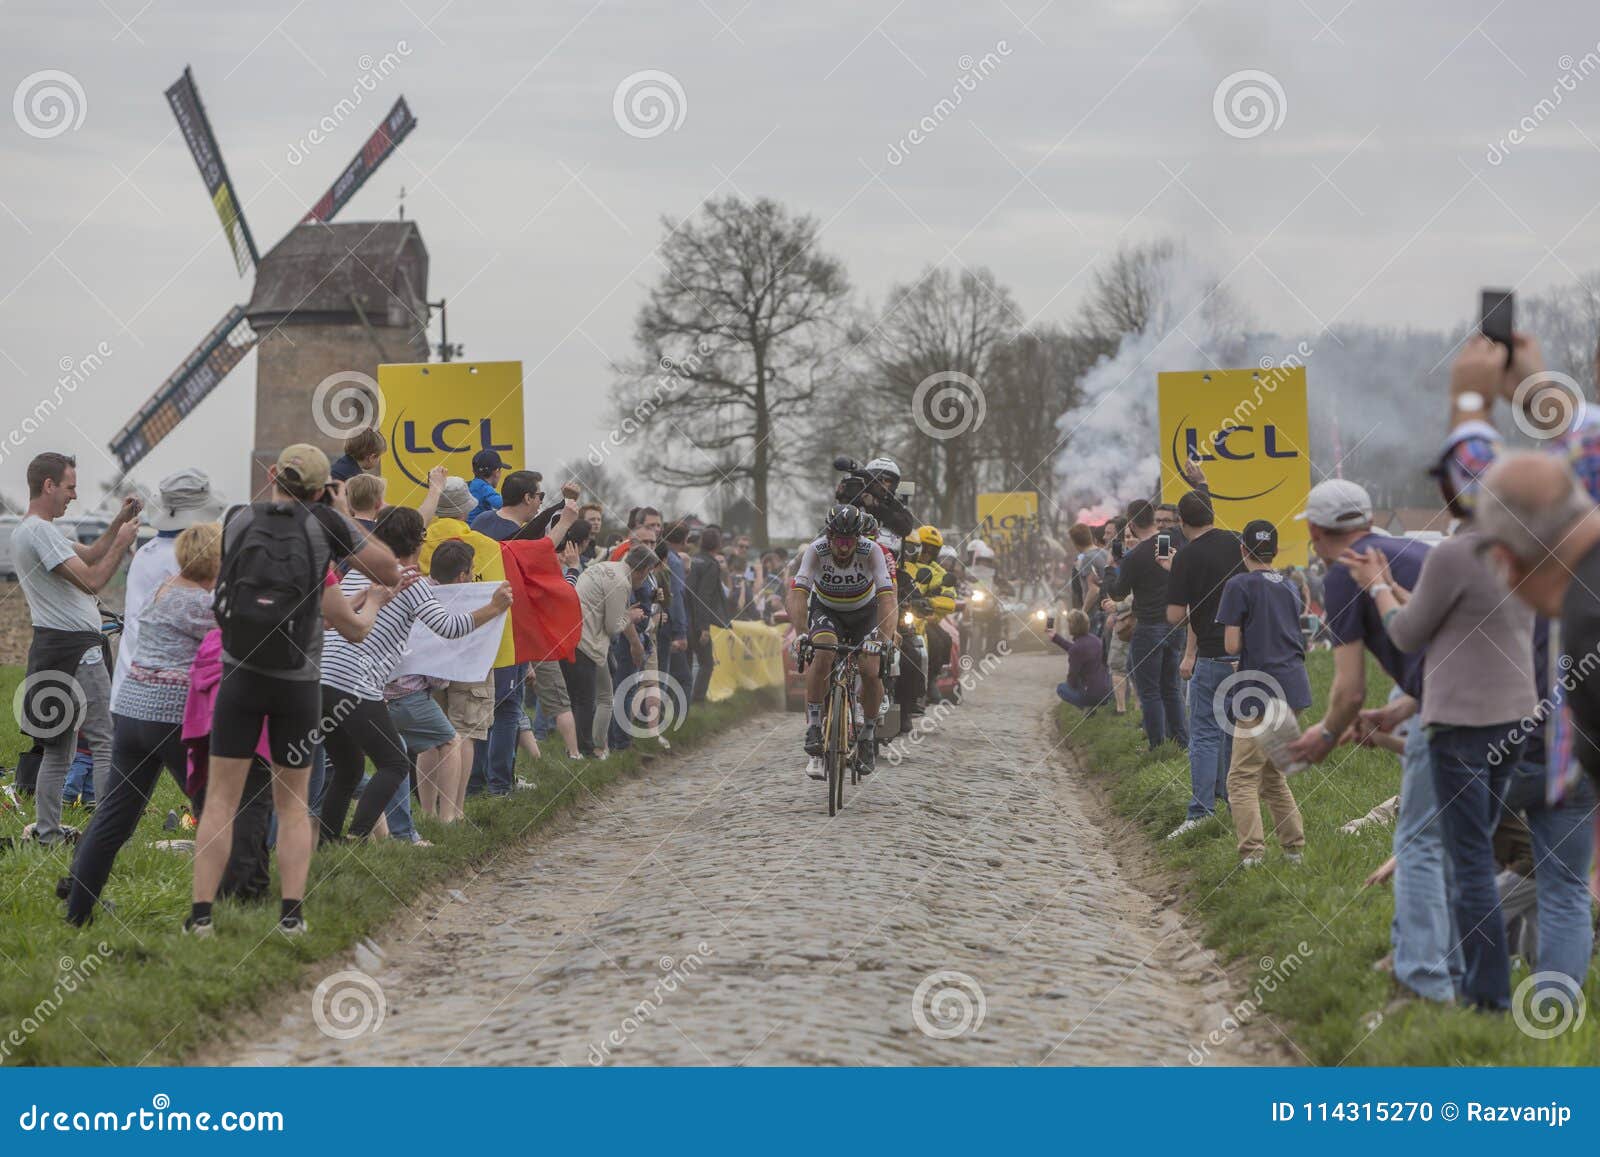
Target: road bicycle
839, 726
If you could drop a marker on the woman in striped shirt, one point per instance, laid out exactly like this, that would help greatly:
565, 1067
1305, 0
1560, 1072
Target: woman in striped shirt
355, 723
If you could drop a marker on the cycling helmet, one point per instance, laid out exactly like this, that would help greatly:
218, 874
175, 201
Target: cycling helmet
883, 467
844, 519
930, 536
869, 526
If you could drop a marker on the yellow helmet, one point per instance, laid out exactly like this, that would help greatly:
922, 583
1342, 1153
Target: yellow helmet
930, 536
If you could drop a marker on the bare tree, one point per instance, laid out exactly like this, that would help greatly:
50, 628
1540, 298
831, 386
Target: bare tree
1567, 322
1032, 381
932, 351
733, 344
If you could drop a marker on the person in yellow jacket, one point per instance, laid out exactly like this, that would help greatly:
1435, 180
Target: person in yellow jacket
476, 708
938, 587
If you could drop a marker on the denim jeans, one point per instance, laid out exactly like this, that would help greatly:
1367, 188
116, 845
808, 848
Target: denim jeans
1079, 699
1470, 789
1563, 849
1427, 959
500, 751
1210, 740
80, 779
1154, 654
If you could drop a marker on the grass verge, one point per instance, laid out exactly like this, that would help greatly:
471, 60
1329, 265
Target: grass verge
1260, 918
132, 990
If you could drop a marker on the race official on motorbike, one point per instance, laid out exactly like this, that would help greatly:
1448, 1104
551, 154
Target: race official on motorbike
937, 587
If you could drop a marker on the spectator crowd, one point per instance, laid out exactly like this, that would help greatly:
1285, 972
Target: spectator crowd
262, 657
1487, 641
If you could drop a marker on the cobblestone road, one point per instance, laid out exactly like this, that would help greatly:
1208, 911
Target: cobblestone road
709, 912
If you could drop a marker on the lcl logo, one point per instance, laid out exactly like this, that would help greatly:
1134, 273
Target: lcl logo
1234, 443
413, 444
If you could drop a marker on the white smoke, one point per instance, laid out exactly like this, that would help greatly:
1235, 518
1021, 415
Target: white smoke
1110, 449
1377, 396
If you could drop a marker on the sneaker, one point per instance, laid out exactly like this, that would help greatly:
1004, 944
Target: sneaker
813, 744
293, 926
1252, 861
170, 824
815, 768
523, 784
867, 755
662, 740
1183, 829
199, 929
1294, 857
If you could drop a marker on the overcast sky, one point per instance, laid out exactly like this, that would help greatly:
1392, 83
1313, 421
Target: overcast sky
1374, 199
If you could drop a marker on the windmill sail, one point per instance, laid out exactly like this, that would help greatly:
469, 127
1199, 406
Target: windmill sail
232, 338
223, 348
185, 101
379, 145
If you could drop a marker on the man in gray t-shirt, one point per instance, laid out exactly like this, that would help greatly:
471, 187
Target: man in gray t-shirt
60, 579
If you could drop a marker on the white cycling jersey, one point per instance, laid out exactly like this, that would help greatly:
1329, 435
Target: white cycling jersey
849, 586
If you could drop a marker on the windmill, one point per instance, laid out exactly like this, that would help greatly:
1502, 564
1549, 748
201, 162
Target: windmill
234, 336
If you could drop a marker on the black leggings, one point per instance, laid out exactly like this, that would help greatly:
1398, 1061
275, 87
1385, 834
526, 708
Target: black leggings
353, 731
139, 750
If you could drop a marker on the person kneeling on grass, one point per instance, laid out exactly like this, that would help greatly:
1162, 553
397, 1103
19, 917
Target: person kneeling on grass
1260, 610
1088, 684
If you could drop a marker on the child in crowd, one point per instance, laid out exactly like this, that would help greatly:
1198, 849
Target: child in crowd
1261, 611
487, 466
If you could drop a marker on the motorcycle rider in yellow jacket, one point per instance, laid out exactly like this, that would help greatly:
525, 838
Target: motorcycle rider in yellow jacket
937, 586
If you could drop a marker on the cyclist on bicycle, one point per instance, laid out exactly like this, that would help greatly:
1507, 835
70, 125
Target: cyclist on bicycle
843, 593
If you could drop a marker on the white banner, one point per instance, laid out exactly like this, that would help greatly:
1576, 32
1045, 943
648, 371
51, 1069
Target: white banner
467, 660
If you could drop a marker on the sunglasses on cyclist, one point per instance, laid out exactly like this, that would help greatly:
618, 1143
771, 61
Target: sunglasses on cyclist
842, 540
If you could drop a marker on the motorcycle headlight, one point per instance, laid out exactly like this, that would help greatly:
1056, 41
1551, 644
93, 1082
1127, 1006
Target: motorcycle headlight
978, 596
910, 620
1039, 615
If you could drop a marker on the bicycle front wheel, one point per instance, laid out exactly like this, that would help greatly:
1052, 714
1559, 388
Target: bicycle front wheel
836, 736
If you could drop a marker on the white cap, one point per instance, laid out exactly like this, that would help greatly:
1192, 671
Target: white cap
1338, 504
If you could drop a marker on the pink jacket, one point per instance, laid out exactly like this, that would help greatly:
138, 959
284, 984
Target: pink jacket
205, 676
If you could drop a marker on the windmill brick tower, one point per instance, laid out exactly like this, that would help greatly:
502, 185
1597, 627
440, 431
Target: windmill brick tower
332, 303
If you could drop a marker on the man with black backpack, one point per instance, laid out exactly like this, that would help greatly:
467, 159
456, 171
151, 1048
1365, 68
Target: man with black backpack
273, 592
